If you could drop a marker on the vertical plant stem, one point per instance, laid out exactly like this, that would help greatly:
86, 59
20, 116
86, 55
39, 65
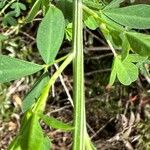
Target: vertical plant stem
78, 74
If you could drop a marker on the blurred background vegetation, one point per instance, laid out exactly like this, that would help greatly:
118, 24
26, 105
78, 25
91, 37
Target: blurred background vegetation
117, 118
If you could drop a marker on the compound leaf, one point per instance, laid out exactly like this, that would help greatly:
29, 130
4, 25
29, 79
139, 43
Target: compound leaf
127, 72
135, 16
50, 34
13, 68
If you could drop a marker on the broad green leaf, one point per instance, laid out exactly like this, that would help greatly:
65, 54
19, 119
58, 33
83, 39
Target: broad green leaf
46, 144
32, 137
113, 74
110, 23
34, 10
135, 16
50, 34
140, 43
15, 144
34, 93
12, 68
114, 4
135, 58
91, 23
54, 123
127, 72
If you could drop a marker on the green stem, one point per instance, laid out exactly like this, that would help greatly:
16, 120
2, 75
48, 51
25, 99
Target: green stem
40, 105
78, 75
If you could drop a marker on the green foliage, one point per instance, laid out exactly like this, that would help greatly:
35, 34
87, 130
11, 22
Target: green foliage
51, 33
35, 92
136, 16
31, 132
12, 68
114, 4
116, 25
34, 10
91, 23
125, 71
139, 43
18, 7
52, 122
9, 19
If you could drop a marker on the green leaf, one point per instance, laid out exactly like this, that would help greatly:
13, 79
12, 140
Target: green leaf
12, 68
35, 92
54, 123
18, 7
135, 58
68, 32
127, 72
34, 10
140, 43
50, 34
125, 47
91, 23
46, 144
135, 16
114, 4
32, 137
15, 144
113, 74
9, 19
3, 37
93, 4
2, 3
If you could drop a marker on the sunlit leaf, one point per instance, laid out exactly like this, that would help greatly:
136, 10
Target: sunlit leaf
32, 136
127, 72
135, 58
50, 34
135, 16
91, 23
12, 68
